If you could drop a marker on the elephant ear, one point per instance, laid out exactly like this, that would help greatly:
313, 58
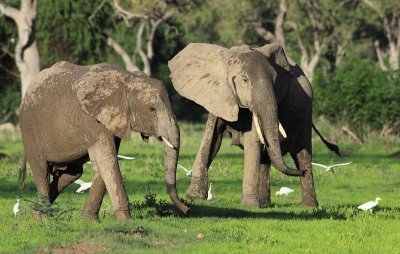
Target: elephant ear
199, 72
101, 93
275, 53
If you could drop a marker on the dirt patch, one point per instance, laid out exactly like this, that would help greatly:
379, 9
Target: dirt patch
79, 248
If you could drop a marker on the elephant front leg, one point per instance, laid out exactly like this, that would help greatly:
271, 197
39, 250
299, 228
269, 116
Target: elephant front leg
103, 155
264, 186
251, 174
209, 147
303, 161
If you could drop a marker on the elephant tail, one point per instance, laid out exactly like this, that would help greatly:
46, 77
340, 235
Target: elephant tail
22, 173
334, 148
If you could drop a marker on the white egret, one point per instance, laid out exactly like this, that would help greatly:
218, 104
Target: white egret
330, 168
188, 172
125, 157
120, 157
284, 191
16, 208
209, 195
369, 205
84, 185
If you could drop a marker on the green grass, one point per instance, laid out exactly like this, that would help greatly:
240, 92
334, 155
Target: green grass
336, 227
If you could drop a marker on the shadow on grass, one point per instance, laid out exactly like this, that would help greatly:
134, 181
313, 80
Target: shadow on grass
200, 211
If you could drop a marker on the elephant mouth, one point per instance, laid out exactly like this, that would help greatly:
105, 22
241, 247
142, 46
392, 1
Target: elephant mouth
145, 137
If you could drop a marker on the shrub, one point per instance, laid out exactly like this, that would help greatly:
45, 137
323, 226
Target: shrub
359, 93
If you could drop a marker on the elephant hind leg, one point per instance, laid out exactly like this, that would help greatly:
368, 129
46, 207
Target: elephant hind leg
303, 162
41, 174
61, 179
93, 201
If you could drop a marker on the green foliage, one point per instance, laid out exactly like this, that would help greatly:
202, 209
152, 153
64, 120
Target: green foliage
359, 93
9, 102
75, 36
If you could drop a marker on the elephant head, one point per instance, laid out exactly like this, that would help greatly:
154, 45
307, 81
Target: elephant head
124, 101
222, 80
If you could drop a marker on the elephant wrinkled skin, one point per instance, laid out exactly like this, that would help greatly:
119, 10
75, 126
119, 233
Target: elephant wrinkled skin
243, 99
71, 113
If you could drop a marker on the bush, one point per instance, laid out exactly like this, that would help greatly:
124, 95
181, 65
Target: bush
9, 103
359, 93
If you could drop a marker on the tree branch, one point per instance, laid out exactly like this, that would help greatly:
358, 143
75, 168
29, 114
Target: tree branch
10, 12
129, 64
139, 50
379, 55
280, 18
126, 15
154, 25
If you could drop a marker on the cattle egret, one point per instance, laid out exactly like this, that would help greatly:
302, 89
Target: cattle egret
369, 205
188, 172
209, 195
84, 185
16, 208
284, 191
125, 157
330, 168
120, 157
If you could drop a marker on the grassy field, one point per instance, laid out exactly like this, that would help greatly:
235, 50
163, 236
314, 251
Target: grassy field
226, 226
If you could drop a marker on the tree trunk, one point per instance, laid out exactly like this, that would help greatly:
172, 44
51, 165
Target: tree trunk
26, 51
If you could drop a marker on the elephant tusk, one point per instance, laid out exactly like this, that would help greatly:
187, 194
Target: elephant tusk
167, 142
258, 128
282, 130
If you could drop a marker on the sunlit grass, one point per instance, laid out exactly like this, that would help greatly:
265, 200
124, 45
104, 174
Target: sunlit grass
336, 226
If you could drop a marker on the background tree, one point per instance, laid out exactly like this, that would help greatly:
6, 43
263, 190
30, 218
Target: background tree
384, 19
26, 51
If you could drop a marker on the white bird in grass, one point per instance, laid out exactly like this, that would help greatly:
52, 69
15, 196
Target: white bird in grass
209, 195
369, 205
330, 168
120, 157
284, 191
188, 172
125, 157
16, 208
84, 185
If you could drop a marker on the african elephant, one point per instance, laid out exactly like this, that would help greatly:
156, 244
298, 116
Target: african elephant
71, 113
213, 67
228, 82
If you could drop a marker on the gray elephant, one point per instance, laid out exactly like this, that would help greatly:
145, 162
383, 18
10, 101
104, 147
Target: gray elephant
240, 76
71, 113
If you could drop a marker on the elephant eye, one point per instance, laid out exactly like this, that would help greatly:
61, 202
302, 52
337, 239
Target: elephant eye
152, 109
245, 77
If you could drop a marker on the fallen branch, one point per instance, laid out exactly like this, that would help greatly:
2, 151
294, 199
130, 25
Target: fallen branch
352, 135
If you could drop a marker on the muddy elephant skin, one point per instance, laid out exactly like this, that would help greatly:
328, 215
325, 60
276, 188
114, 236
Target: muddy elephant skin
71, 113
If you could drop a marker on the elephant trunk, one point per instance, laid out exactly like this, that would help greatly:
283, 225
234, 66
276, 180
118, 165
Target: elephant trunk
170, 162
266, 121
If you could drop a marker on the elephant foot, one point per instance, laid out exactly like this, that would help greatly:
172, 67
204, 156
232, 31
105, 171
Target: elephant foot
122, 215
309, 202
38, 215
41, 208
90, 216
197, 191
252, 202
